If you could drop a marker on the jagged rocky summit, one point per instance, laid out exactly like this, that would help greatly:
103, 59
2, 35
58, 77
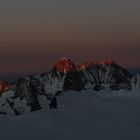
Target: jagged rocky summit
28, 92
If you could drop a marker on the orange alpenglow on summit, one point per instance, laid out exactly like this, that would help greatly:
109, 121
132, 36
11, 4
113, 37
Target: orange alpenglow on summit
91, 63
3, 86
65, 65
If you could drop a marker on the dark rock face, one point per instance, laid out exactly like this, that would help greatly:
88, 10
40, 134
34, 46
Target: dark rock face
29, 88
112, 74
53, 103
98, 87
73, 81
52, 81
11, 104
135, 82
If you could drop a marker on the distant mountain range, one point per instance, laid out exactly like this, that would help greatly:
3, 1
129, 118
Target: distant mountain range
26, 93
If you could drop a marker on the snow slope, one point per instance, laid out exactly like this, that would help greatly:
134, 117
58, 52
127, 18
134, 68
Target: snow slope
90, 115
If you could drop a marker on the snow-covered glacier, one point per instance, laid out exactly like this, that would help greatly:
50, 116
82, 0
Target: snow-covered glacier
81, 115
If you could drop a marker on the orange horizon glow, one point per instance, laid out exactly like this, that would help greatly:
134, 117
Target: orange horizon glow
37, 50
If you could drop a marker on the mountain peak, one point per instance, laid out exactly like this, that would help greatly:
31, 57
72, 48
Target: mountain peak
88, 64
65, 59
64, 65
106, 62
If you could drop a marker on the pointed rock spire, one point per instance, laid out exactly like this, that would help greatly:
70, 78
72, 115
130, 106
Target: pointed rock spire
64, 65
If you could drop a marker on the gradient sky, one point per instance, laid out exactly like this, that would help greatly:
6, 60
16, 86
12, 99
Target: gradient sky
35, 34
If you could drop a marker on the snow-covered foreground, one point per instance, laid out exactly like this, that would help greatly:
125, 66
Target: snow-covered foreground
81, 115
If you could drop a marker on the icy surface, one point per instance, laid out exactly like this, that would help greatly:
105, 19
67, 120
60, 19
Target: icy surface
90, 115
